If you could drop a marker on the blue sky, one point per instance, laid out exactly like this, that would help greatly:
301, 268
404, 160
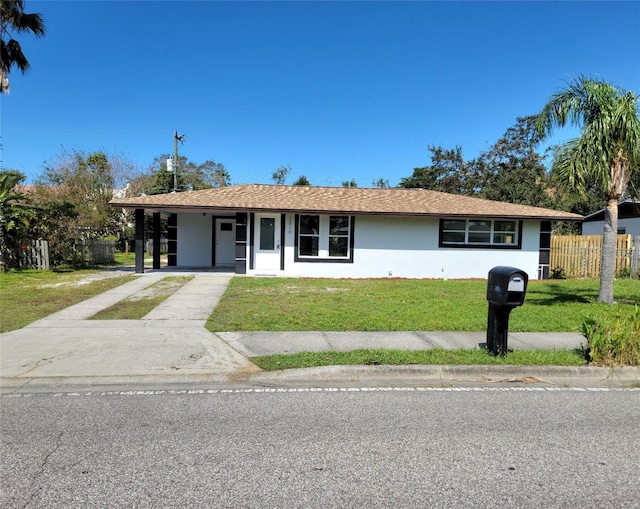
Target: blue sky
336, 90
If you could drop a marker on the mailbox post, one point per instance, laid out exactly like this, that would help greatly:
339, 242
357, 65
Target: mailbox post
506, 288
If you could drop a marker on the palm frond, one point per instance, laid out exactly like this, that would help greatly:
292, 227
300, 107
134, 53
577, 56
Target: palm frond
607, 153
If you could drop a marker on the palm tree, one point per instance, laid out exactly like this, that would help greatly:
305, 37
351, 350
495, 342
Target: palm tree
606, 154
14, 19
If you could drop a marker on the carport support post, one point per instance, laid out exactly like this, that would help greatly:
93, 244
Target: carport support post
139, 242
156, 240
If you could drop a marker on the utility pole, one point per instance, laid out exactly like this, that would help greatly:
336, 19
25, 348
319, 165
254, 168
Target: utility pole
176, 162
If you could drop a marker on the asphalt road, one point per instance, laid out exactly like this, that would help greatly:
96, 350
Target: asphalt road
447, 447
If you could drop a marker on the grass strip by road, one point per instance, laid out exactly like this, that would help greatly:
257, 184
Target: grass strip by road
138, 305
433, 357
289, 304
29, 295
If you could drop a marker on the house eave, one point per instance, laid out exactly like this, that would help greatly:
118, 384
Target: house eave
166, 208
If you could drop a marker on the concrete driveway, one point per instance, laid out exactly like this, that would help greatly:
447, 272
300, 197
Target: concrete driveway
171, 340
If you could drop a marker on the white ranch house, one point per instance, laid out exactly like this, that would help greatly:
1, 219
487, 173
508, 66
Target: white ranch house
336, 232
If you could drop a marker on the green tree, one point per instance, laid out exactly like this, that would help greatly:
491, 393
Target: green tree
207, 175
190, 177
280, 175
58, 223
302, 181
606, 155
11, 203
87, 181
565, 198
159, 182
381, 183
14, 19
349, 183
74, 193
512, 170
448, 173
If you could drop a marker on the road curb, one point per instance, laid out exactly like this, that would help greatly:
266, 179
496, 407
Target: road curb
573, 375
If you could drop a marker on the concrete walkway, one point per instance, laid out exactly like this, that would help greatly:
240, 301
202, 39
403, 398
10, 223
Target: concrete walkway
171, 344
170, 341
253, 344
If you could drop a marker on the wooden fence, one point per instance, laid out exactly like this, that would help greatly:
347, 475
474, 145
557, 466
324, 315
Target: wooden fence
35, 255
164, 246
579, 255
101, 251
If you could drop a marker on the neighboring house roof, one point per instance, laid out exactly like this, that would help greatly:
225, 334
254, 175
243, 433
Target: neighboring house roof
339, 200
25, 189
626, 209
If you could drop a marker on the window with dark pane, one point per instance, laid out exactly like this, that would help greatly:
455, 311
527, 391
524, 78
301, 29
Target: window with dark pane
338, 235
309, 236
479, 232
267, 233
454, 231
309, 225
504, 232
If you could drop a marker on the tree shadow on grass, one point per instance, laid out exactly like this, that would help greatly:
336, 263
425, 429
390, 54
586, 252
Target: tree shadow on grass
552, 294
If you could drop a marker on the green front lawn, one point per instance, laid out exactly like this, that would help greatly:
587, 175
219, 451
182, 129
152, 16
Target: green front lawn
288, 304
29, 295
407, 357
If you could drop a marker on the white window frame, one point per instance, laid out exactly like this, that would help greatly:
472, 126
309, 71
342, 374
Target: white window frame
324, 235
492, 232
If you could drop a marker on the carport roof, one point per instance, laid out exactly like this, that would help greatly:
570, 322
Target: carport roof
337, 200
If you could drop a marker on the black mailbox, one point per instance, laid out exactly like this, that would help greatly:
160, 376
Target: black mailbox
506, 288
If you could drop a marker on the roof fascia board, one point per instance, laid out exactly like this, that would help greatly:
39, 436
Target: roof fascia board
206, 209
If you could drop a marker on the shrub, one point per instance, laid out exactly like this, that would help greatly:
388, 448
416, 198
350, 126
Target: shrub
613, 340
624, 273
558, 273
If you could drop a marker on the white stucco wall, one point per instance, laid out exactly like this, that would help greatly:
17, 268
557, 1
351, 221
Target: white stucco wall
383, 247
631, 226
408, 248
195, 237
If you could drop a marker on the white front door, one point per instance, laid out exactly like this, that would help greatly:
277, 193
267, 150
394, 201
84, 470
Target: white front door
225, 242
267, 242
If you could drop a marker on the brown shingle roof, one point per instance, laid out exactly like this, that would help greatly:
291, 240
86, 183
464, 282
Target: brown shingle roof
339, 200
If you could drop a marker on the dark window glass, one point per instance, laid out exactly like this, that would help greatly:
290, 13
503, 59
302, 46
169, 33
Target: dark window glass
226, 227
504, 238
453, 237
505, 232
479, 237
338, 246
267, 233
479, 231
504, 226
309, 225
451, 224
309, 238
339, 225
479, 226
308, 246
